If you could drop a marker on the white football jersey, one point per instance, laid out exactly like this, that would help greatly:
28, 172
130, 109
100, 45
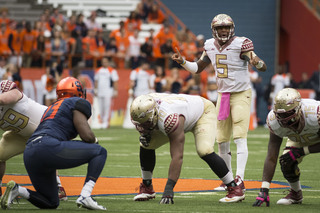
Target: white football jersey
231, 71
142, 79
310, 127
171, 106
22, 117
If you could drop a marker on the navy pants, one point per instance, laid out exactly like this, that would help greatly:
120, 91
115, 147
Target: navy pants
42, 157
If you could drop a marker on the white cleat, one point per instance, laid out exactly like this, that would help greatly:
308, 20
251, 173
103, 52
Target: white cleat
234, 195
292, 198
89, 203
9, 195
222, 187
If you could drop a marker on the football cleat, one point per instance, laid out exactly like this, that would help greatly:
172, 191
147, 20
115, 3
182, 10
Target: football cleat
240, 183
235, 194
292, 198
9, 195
222, 187
62, 194
89, 203
145, 193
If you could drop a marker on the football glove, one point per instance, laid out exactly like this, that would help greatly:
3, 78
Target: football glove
167, 200
145, 140
291, 156
263, 196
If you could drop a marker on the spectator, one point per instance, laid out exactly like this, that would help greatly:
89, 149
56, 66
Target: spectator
315, 82
305, 82
77, 46
106, 85
122, 42
4, 19
92, 23
279, 81
15, 44
200, 45
158, 81
58, 49
29, 40
3, 68
140, 80
155, 15
174, 81
82, 26
71, 24
90, 48
116, 32
111, 50
4, 41
134, 50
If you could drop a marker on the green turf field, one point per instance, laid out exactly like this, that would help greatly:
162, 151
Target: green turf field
123, 161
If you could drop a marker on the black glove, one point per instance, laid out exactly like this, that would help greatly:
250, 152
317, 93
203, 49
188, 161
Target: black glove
145, 140
262, 197
291, 156
167, 200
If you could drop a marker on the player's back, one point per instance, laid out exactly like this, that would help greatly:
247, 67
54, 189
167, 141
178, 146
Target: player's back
57, 120
22, 117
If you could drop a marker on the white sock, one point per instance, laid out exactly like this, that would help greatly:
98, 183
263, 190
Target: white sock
87, 188
146, 175
58, 181
225, 154
23, 192
228, 178
296, 186
242, 156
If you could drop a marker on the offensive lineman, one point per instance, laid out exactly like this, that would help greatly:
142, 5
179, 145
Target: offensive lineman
161, 118
297, 119
51, 147
229, 55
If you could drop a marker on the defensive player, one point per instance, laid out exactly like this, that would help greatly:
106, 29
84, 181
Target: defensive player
106, 85
297, 119
19, 117
229, 55
50, 148
161, 118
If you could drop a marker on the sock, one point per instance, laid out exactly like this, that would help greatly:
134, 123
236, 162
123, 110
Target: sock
58, 181
23, 192
242, 156
225, 154
228, 178
87, 188
146, 177
295, 186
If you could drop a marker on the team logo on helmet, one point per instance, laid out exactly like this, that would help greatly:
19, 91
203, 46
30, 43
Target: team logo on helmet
70, 87
287, 107
219, 21
143, 112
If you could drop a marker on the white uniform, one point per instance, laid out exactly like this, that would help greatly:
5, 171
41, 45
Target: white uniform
142, 78
231, 71
200, 119
308, 133
104, 78
279, 81
18, 121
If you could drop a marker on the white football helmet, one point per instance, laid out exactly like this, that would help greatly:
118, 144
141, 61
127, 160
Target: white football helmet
219, 21
287, 107
143, 112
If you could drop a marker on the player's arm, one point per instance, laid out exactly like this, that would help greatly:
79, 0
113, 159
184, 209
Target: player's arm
254, 60
10, 97
193, 67
177, 139
269, 168
81, 114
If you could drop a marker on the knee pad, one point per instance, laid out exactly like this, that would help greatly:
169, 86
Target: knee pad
290, 172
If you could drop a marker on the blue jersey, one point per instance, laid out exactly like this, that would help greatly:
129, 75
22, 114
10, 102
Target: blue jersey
57, 120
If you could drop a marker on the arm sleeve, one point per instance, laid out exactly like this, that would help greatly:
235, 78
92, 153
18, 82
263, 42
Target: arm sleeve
83, 106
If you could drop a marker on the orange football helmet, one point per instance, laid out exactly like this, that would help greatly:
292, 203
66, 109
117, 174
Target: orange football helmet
70, 87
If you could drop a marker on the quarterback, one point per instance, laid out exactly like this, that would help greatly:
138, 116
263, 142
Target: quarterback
161, 118
297, 119
230, 56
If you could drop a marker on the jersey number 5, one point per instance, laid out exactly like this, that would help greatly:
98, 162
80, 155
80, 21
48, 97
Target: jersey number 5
222, 69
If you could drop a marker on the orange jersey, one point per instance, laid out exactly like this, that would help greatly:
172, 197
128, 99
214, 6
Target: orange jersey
189, 50
122, 43
4, 42
28, 41
16, 41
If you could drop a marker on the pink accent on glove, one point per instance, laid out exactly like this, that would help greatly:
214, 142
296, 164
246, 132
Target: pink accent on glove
224, 106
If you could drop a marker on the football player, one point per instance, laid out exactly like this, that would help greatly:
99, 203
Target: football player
161, 118
19, 117
51, 147
230, 56
297, 119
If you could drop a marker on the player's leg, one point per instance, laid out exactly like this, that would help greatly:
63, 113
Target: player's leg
292, 175
147, 164
204, 133
240, 111
11, 145
108, 102
101, 109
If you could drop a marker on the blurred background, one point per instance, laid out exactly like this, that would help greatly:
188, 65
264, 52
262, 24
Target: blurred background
42, 41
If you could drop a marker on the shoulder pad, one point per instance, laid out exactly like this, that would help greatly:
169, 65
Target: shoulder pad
83, 106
